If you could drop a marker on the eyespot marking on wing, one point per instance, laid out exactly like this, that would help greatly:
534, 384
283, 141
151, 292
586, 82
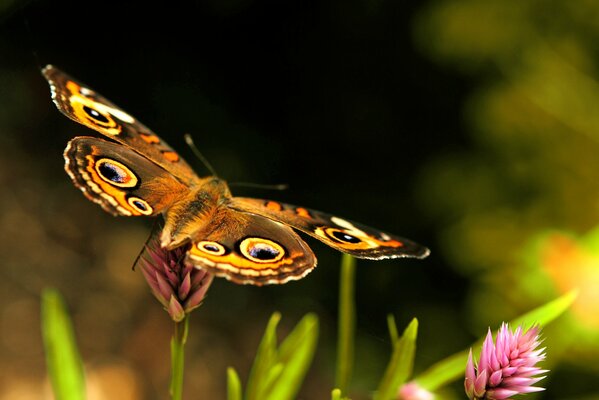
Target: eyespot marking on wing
116, 173
342, 236
83, 95
92, 113
97, 116
261, 250
212, 248
140, 205
351, 238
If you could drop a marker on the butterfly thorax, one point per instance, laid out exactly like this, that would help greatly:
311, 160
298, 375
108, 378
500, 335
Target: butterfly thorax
193, 214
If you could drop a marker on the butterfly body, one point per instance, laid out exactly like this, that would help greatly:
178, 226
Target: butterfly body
193, 215
133, 172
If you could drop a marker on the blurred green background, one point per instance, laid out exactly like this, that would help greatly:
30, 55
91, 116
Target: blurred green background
469, 126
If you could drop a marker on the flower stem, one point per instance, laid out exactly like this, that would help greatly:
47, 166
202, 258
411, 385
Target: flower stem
347, 319
178, 357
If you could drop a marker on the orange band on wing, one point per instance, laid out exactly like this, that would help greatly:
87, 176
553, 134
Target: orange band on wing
234, 263
91, 113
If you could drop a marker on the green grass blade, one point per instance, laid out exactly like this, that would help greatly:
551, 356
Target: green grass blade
347, 323
234, 391
266, 358
400, 366
62, 356
453, 367
296, 354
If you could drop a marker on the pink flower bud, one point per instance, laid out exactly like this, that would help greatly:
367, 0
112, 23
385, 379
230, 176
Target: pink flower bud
507, 367
179, 287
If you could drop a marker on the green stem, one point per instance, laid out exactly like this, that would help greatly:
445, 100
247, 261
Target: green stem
178, 357
347, 321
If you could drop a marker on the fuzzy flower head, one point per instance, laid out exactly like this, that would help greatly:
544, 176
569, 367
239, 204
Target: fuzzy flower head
177, 285
506, 368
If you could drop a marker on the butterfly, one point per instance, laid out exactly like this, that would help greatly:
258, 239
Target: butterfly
133, 172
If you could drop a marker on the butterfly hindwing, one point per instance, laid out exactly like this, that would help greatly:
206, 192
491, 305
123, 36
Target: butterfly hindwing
346, 236
250, 249
89, 108
119, 179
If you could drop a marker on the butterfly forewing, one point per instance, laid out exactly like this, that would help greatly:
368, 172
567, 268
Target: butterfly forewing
84, 105
344, 235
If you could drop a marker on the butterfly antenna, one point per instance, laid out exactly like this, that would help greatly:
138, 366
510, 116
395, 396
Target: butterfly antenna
198, 154
204, 160
280, 186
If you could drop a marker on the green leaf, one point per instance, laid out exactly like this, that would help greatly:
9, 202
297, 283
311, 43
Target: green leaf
400, 366
62, 357
347, 323
296, 354
233, 385
393, 334
453, 367
546, 313
264, 361
277, 373
271, 377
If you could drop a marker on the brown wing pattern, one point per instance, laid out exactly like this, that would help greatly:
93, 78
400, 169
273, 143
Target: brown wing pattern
120, 180
89, 108
249, 249
346, 236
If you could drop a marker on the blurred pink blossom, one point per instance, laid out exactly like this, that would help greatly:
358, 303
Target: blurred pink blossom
413, 391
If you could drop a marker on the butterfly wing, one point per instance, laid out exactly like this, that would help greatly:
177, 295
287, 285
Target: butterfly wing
250, 249
119, 179
346, 236
89, 108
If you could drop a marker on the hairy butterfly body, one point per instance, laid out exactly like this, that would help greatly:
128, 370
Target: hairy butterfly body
249, 241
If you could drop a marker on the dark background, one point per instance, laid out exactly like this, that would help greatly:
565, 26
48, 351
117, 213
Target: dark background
333, 98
